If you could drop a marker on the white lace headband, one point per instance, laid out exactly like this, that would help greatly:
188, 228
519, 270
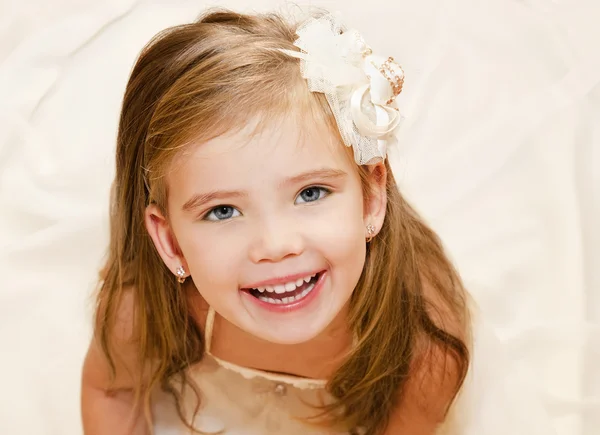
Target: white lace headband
361, 87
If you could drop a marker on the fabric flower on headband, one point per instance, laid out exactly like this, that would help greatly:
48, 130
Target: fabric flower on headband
361, 87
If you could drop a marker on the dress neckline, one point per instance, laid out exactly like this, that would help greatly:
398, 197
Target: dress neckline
250, 373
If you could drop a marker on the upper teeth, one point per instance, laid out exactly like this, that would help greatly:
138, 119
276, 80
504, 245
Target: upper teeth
287, 287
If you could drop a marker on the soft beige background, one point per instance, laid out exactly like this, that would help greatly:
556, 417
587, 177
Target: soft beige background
499, 150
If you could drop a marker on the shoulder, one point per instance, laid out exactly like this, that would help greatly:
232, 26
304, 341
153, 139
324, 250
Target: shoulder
435, 374
119, 357
428, 394
112, 358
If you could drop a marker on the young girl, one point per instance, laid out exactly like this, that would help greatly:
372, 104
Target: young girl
265, 275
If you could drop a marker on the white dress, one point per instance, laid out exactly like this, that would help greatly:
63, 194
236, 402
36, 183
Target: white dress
243, 401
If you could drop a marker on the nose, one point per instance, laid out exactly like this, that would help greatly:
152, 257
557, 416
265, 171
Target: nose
276, 240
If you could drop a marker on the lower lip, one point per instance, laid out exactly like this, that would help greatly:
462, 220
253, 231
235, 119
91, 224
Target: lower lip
292, 306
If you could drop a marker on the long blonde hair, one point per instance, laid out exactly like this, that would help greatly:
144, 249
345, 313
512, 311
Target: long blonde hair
195, 82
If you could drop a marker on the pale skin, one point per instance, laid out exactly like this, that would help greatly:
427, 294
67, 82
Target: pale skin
244, 210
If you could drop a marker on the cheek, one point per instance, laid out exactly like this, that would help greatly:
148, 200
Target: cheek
341, 235
210, 261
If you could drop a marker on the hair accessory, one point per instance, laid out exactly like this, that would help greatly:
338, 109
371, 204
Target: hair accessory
361, 87
180, 274
371, 232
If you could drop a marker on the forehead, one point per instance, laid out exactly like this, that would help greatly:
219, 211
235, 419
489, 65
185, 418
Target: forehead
278, 150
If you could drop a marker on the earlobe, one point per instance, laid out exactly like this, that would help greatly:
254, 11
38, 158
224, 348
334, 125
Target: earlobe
164, 240
371, 231
377, 200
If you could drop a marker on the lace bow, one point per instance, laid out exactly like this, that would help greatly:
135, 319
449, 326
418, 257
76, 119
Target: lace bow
361, 87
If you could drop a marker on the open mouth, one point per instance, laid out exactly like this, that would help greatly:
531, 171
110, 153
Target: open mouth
282, 294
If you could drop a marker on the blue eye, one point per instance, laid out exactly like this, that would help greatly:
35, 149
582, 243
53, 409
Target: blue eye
311, 194
221, 213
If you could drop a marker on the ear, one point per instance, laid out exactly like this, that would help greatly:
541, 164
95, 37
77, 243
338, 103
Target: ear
376, 199
164, 240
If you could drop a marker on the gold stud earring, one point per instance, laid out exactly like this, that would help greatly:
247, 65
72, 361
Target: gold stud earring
180, 274
371, 232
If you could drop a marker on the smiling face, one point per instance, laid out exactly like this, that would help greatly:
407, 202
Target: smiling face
271, 228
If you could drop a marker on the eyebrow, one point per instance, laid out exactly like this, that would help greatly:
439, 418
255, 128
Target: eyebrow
199, 199
323, 174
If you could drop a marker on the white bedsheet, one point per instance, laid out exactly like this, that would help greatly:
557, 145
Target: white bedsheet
499, 150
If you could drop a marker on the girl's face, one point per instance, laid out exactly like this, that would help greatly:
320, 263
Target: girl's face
271, 228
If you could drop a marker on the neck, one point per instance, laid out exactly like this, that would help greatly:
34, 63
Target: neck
314, 359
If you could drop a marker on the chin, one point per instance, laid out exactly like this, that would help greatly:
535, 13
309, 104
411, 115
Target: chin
291, 335
298, 329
